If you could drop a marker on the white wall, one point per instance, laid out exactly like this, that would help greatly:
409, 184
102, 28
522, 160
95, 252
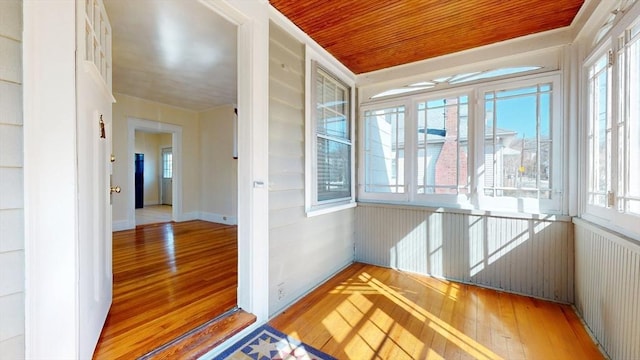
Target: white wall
148, 145
129, 106
219, 170
303, 251
12, 273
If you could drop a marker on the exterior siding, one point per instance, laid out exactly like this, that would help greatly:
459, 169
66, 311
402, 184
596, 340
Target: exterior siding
524, 256
12, 267
303, 251
608, 289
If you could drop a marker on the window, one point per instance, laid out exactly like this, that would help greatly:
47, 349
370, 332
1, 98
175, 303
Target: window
458, 79
628, 124
599, 132
167, 164
332, 152
517, 142
442, 145
384, 150
493, 146
613, 128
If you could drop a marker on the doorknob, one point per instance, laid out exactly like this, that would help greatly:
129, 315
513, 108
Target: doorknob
115, 189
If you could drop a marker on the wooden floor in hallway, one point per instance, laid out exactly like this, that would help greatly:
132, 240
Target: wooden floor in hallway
168, 279
369, 312
153, 214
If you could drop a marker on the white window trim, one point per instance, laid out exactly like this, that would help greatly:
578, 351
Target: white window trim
461, 201
476, 199
312, 208
608, 217
525, 205
362, 194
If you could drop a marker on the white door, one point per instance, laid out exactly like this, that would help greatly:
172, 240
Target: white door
167, 176
94, 139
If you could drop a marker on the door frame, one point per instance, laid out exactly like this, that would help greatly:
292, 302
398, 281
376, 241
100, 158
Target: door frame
252, 21
152, 126
50, 202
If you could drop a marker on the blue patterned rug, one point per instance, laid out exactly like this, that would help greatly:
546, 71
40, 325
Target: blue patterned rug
267, 343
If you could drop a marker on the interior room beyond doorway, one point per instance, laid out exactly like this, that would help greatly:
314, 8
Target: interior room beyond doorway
153, 177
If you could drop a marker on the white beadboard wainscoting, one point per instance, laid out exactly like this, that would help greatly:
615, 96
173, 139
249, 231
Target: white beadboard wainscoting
607, 284
530, 256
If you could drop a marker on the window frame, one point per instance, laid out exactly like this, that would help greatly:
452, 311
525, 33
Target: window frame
555, 205
314, 62
362, 193
475, 145
456, 200
609, 216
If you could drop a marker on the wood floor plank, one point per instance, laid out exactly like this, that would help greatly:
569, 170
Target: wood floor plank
377, 313
168, 279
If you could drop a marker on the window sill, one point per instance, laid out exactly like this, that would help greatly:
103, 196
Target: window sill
604, 226
329, 208
503, 214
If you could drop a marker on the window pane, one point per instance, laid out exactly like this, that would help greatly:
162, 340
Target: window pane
167, 166
599, 136
600, 132
384, 150
442, 139
518, 142
332, 107
632, 137
334, 174
332, 138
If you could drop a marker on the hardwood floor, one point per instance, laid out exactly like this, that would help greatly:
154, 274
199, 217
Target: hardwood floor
153, 214
368, 312
168, 279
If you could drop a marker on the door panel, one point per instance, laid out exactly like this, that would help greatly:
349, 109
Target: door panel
94, 140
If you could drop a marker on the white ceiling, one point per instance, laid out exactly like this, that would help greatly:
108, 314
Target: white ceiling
177, 52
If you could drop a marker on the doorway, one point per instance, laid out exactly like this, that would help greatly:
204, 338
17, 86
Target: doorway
139, 180
56, 92
160, 145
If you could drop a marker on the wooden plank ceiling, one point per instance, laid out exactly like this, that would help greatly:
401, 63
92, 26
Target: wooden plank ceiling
368, 35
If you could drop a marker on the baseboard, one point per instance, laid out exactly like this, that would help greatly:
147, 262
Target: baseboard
218, 218
119, 225
188, 216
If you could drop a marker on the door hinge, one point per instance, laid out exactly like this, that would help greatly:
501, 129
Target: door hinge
103, 135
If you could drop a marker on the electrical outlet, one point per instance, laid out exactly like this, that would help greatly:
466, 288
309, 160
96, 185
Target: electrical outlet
281, 292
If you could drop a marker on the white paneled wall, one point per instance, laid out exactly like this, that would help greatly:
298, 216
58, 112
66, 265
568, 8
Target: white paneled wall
12, 269
607, 284
303, 251
527, 256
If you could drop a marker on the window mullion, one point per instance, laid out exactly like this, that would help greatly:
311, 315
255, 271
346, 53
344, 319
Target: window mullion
458, 147
538, 115
410, 149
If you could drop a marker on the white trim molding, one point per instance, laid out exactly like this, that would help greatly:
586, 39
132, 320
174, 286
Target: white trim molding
134, 124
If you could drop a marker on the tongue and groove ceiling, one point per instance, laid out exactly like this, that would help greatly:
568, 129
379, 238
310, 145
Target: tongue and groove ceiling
369, 35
